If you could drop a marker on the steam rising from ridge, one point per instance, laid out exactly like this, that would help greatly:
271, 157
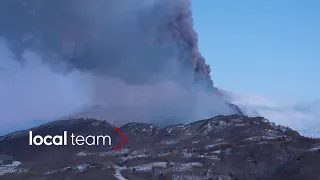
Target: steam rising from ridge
138, 59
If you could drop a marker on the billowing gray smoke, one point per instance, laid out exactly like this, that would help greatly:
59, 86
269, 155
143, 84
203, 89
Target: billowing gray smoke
138, 59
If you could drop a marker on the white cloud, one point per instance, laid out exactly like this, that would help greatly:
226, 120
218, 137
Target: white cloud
301, 116
32, 92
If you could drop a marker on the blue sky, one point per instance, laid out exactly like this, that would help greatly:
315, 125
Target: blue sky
266, 47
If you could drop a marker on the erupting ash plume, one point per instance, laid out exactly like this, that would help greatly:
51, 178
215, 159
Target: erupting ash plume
137, 60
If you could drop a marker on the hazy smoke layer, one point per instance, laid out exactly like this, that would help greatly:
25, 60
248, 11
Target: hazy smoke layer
140, 57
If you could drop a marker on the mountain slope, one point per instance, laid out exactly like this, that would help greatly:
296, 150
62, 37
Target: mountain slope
225, 147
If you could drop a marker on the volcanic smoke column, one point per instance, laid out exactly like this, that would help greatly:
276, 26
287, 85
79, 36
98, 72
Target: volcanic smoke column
138, 43
109, 37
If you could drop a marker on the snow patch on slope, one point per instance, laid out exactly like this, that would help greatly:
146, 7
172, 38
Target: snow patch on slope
11, 168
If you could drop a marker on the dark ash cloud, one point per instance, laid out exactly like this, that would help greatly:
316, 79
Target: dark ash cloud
139, 55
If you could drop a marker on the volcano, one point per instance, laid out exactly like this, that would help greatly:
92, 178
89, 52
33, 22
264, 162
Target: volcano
223, 147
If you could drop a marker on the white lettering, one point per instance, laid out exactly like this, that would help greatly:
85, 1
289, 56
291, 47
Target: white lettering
46, 142
35, 140
72, 136
104, 139
93, 140
59, 143
78, 140
60, 140
65, 137
30, 138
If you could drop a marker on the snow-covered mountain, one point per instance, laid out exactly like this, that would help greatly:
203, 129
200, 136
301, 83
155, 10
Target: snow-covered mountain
224, 147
